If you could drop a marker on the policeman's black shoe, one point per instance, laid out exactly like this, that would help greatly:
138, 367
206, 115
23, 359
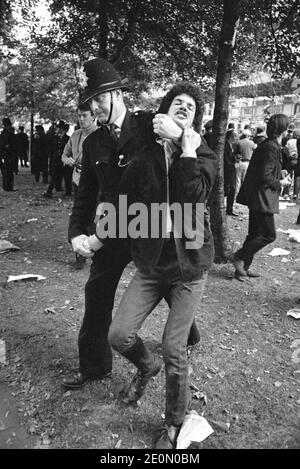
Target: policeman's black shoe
240, 278
79, 380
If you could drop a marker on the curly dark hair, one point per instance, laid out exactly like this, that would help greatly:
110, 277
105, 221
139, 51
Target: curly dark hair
184, 87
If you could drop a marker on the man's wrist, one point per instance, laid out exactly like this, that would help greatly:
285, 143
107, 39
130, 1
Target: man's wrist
188, 154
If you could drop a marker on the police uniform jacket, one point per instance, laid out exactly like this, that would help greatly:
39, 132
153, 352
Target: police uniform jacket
103, 163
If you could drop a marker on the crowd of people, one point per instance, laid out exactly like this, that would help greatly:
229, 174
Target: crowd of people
151, 158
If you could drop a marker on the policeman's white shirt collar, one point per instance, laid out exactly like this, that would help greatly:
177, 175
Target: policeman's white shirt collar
119, 121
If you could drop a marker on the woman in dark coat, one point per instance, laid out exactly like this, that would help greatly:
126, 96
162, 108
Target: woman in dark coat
260, 192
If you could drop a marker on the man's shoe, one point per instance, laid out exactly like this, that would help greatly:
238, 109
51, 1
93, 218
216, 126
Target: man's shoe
139, 382
240, 278
166, 437
239, 266
46, 196
79, 380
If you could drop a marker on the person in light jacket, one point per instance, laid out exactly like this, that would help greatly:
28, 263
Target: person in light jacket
72, 155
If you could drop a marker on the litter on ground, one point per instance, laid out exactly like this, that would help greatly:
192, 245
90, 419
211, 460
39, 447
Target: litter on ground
295, 313
17, 278
7, 246
195, 429
278, 252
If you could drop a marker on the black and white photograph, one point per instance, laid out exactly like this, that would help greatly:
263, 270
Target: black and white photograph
149, 228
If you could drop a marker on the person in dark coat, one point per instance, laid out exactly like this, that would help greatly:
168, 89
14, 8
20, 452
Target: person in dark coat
229, 171
39, 155
106, 154
260, 192
164, 173
22, 146
208, 133
259, 135
8, 155
57, 172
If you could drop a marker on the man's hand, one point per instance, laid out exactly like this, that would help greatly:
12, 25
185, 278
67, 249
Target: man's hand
70, 161
165, 127
189, 143
79, 245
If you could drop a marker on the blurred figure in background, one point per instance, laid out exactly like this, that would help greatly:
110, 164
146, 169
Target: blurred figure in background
56, 165
8, 155
39, 155
259, 136
230, 171
208, 132
22, 146
244, 150
72, 154
260, 192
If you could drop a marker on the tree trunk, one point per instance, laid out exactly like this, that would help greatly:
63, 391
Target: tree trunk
32, 106
102, 26
219, 227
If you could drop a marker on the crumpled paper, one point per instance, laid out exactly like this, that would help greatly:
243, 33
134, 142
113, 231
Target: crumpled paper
7, 246
16, 278
284, 205
278, 252
295, 313
294, 235
195, 429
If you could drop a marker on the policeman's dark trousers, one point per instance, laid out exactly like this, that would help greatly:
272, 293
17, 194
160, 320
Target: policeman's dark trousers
261, 231
95, 356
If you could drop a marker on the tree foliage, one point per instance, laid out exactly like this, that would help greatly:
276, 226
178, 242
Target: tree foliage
152, 42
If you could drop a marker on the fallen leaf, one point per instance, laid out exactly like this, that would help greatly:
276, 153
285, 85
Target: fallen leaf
118, 444
220, 426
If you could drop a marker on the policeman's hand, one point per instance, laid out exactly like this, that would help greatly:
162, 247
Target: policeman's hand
165, 127
93, 243
189, 143
80, 246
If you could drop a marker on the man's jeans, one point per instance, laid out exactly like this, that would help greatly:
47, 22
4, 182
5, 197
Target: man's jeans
141, 297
